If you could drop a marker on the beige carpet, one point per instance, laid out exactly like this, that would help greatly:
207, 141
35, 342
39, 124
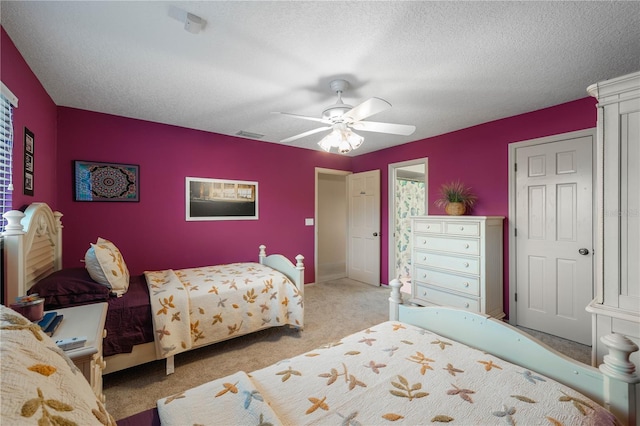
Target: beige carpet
332, 310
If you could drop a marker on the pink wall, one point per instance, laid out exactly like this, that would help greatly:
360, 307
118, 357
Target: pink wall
153, 233
37, 112
478, 156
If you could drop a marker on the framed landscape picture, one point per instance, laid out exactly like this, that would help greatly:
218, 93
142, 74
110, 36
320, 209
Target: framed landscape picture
221, 199
96, 181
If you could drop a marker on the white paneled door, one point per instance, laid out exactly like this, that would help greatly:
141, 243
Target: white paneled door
554, 237
364, 227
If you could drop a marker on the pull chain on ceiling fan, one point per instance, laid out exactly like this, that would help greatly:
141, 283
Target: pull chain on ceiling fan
342, 118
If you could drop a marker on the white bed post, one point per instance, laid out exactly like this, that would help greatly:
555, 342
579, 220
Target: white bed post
170, 365
263, 252
300, 268
621, 383
14, 256
395, 300
57, 261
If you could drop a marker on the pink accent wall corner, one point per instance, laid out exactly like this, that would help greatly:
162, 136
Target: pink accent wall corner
37, 112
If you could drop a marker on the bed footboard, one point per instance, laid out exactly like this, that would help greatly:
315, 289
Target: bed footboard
280, 263
615, 385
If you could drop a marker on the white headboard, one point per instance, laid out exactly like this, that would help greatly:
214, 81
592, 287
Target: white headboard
32, 247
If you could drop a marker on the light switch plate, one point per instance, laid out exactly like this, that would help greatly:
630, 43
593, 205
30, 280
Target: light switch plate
308, 221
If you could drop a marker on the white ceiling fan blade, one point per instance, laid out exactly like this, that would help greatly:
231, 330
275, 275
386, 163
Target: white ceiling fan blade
307, 133
395, 129
367, 108
304, 117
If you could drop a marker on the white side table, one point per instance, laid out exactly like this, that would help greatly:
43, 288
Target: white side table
86, 321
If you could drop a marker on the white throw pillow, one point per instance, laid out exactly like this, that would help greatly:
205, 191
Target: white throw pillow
106, 266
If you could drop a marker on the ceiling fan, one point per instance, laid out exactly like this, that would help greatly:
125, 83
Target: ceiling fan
342, 118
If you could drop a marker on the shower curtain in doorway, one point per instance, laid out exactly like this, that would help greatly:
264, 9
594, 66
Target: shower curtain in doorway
409, 202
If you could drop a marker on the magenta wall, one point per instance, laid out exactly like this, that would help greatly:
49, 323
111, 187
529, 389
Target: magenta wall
153, 233
37, 112
478, 156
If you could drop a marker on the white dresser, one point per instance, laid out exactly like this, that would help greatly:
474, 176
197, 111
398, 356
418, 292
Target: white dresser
616, 308
457, 261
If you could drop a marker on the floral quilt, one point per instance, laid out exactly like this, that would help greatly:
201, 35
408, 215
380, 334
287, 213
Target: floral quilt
198, 306
390, 373
40, 385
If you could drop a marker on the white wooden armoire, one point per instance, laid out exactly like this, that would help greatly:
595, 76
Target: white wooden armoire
616, 308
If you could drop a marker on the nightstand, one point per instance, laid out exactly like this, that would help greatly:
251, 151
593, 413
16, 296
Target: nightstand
86, 321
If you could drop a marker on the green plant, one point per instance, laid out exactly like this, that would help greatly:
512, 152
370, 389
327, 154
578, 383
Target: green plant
455, 192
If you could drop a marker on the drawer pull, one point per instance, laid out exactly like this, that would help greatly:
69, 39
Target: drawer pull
424, 293
462, 228
466, 264
428, 226
466, 305
466, 246
424, 241
424, 258
424, 275
466, 284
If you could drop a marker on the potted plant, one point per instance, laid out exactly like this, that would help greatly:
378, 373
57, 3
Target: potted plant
456, 198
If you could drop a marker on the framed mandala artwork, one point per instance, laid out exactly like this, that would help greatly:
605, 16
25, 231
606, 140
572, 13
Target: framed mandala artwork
95, 181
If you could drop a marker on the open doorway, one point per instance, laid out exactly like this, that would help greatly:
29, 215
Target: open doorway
408, 195
331, 224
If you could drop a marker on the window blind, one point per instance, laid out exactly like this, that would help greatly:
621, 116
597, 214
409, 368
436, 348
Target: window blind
6, 151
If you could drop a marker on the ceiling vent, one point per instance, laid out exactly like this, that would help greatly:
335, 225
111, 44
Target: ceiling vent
249, 135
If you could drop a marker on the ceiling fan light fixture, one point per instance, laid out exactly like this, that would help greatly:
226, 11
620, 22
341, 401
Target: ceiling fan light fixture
344, 147
340, 118
342, 139
354, 139
329, 141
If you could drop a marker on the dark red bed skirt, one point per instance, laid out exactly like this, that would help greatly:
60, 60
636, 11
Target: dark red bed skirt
145, 418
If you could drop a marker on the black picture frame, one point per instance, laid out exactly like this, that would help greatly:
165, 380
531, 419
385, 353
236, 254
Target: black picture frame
29, 162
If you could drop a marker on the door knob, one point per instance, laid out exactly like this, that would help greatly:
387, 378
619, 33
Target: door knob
583, 251
375, 234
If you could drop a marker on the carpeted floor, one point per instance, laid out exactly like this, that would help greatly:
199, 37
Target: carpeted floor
333, 310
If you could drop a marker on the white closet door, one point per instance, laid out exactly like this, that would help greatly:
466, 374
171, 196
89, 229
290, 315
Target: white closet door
555, 237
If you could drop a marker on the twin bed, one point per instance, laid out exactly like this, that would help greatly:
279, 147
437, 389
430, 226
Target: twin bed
160, 313
424, 365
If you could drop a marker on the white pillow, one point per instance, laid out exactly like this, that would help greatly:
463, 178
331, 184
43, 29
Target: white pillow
106, 266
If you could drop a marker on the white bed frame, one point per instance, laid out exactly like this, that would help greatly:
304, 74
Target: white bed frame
615, 385
33, 250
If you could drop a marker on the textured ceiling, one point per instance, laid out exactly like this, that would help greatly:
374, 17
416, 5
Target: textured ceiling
442, 65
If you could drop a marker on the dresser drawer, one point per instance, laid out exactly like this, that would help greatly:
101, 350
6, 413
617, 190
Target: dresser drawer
427, 226
448, 244
438, 297
453, 263
469, 285
462, 228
